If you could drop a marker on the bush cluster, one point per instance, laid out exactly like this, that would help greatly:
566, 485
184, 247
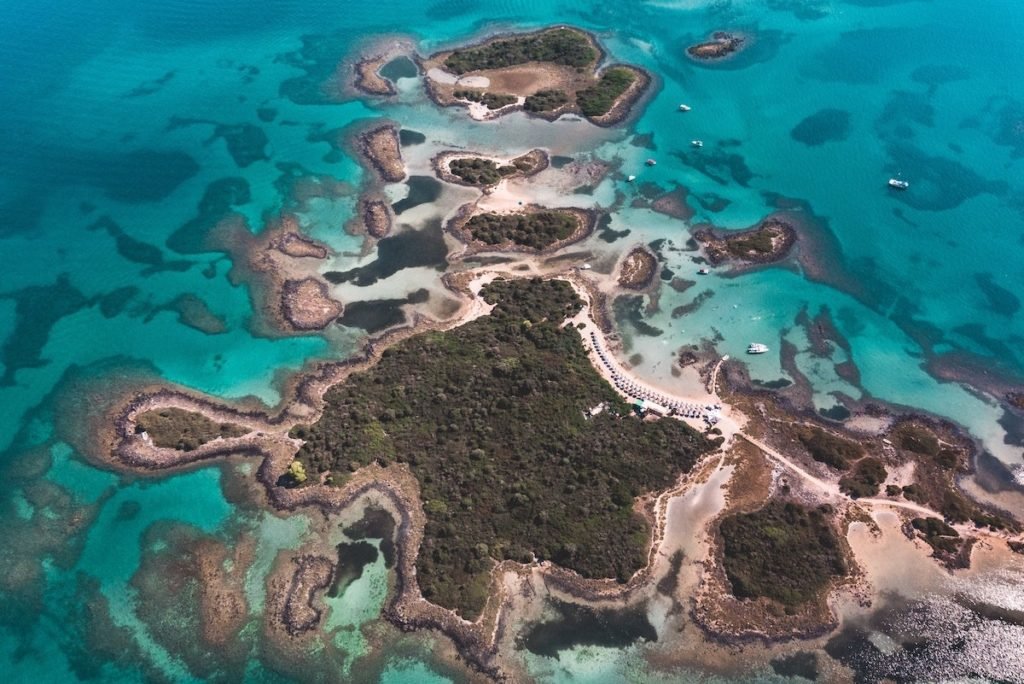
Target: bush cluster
489, 100
599, 98
865, 479
829, 449
784, 552
479, 171
546, 100
559, 46
537, 229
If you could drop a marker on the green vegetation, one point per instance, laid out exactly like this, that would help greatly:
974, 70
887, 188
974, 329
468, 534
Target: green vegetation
758, 242
489, 100
599, 98
914, 492
489, 417
477, 171
917, 439
546, 100
175, 428
865, 479
829, 449
297, 472
559, 46
784, 552
938, 534
536, 229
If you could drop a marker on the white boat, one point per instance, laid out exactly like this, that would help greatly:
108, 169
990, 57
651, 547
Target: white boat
898, 184
757, 348
651, 162
697, 143
684, 108
630, 179
703, 271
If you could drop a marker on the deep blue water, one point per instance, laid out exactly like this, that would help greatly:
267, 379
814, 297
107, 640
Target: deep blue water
129, 129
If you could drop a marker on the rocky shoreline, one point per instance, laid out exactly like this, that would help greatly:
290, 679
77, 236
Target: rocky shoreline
381, 148
368, 79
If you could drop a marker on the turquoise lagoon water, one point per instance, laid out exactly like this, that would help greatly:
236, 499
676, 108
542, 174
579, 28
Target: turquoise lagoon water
116, 121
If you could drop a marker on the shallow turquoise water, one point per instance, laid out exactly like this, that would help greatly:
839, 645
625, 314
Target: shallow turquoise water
92, 114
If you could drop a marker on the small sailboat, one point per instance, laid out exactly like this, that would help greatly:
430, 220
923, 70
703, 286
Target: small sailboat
696, 143
757, 348
898, 184
684, 108
630, 179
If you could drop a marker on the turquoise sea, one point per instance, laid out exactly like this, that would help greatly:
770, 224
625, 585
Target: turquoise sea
129, 130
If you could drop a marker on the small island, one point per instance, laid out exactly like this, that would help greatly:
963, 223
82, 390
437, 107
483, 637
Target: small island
638, 269
484, 172
768, 242
376, 217
381, 148
531, 229
546, 73
721, 45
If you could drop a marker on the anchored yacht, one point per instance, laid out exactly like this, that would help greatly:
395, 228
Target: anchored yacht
757, 348
697, 143
684, 108
898, 184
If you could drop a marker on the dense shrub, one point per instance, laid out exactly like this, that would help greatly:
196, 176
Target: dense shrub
559, 46
599, 98
829, 449
758, 242
538, 229
784, 552
546, 100
479, 171
489, 100
865, 478
917, 439
489, 417
175, 428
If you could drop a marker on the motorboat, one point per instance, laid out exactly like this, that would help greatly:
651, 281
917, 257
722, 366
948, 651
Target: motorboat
651, 162
684, 108
898, 184
704, 271
630, 179
757, 348
696, 143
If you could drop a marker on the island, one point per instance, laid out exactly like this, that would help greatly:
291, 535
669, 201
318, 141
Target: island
638, 269
480, 171
530, 229
722, 44
547, 73
381, 148
769, 241
510, 465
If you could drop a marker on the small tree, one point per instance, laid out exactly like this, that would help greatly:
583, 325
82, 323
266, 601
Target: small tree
297, 471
